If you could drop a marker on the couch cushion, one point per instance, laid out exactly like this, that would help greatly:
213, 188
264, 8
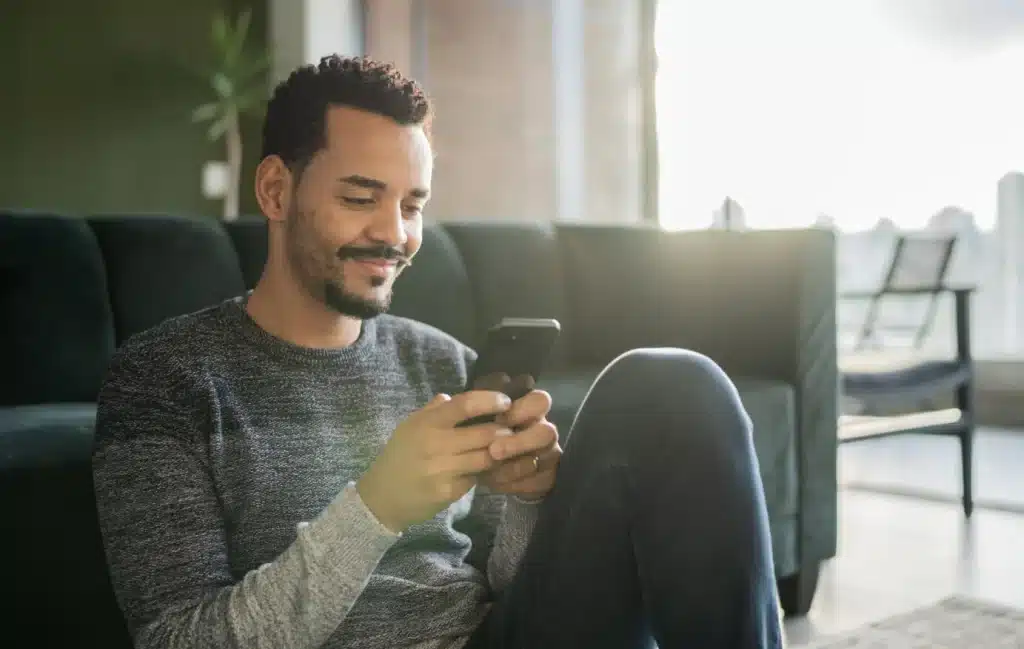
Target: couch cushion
568, 388
57, 332
55, 434
436, 289
60, 571
249, 238
772, 409
164, 266
515, 270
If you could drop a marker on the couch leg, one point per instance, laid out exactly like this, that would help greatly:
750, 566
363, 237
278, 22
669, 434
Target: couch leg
796, 592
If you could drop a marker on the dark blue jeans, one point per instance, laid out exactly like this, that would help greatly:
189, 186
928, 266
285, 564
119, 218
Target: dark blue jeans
657, 527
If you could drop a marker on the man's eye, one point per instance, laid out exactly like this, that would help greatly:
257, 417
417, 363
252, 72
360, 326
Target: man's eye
357, 201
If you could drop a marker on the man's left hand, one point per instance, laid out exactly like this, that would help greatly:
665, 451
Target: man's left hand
527, 459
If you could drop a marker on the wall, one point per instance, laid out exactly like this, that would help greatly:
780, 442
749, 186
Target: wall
97, 104
96, 115
503, 76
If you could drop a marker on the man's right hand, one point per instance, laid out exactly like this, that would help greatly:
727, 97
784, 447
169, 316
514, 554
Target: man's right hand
429, 462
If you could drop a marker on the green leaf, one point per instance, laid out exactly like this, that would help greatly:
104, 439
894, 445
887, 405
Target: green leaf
258, 66
235, 44
242, 30
220, 32
218, 128
223, 85
236, 75
205, 112
251, 100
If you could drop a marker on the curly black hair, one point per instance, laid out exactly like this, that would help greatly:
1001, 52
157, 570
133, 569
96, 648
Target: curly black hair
294, 126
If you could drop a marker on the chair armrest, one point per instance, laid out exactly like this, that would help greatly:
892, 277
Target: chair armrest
867, 295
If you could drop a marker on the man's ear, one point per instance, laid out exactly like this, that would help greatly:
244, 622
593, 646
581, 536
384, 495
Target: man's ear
273, 185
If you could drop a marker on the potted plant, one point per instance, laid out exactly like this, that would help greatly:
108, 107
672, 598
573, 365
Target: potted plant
238, 79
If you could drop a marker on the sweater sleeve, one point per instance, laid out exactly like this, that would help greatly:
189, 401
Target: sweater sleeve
510, 541
165, 540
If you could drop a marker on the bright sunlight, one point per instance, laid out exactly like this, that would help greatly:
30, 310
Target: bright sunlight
798, 108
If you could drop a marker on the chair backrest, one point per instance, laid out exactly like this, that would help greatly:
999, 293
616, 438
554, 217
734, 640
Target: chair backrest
920, 262
919, 265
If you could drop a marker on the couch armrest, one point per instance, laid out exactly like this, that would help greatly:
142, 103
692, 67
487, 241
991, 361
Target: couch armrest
817, 384
783, 326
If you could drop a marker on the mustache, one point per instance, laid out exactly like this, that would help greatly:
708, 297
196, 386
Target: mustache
374, 252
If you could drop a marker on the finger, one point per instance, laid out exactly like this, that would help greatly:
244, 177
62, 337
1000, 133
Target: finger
475, 403
467, 463
532, 407
538, 437
535, 483
515, 469
452, 441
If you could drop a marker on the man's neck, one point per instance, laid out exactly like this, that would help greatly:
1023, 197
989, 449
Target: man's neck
283, 309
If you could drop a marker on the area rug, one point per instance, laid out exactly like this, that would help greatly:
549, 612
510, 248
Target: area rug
954, 623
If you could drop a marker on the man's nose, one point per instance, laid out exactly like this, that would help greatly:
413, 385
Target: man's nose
388, 227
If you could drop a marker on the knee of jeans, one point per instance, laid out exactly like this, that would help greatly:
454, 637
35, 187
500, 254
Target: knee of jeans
669, 371
687, 384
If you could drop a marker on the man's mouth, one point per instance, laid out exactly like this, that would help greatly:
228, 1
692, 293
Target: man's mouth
376, 257
377, 262
377, 267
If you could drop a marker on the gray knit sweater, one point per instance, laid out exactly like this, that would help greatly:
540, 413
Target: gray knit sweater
224, 465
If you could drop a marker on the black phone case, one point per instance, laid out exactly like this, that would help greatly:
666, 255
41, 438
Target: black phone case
511, 361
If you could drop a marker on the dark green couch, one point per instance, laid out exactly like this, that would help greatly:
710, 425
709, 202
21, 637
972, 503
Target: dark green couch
761, 304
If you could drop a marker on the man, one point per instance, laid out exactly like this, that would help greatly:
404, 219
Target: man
284, 469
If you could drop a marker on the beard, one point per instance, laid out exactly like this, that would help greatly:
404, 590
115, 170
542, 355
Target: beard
318, 266
344, 302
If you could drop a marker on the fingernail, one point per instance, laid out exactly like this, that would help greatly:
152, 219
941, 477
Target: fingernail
504, 400
503, 432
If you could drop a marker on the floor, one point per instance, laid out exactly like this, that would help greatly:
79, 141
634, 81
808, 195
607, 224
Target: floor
903, 539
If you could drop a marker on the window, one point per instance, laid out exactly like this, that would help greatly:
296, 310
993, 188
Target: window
864, 115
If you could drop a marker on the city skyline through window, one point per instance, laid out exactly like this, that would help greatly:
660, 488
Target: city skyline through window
858, 111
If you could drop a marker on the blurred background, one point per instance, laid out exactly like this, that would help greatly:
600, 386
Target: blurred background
870, 117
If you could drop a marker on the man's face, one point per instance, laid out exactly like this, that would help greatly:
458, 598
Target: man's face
354, 220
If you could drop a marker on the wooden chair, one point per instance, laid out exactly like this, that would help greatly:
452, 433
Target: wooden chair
917, 272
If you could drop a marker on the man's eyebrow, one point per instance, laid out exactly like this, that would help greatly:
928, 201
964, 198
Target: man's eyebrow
363, 181
373, 183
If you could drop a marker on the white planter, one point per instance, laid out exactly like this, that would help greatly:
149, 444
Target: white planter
215, 180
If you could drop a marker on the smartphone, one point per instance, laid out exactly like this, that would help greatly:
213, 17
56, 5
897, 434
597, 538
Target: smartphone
512, 358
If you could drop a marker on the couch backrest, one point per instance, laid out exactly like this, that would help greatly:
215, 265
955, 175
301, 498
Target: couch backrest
249, 237
75, 288
746, 299
159, 266
57, 330
515, 270
436, 289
